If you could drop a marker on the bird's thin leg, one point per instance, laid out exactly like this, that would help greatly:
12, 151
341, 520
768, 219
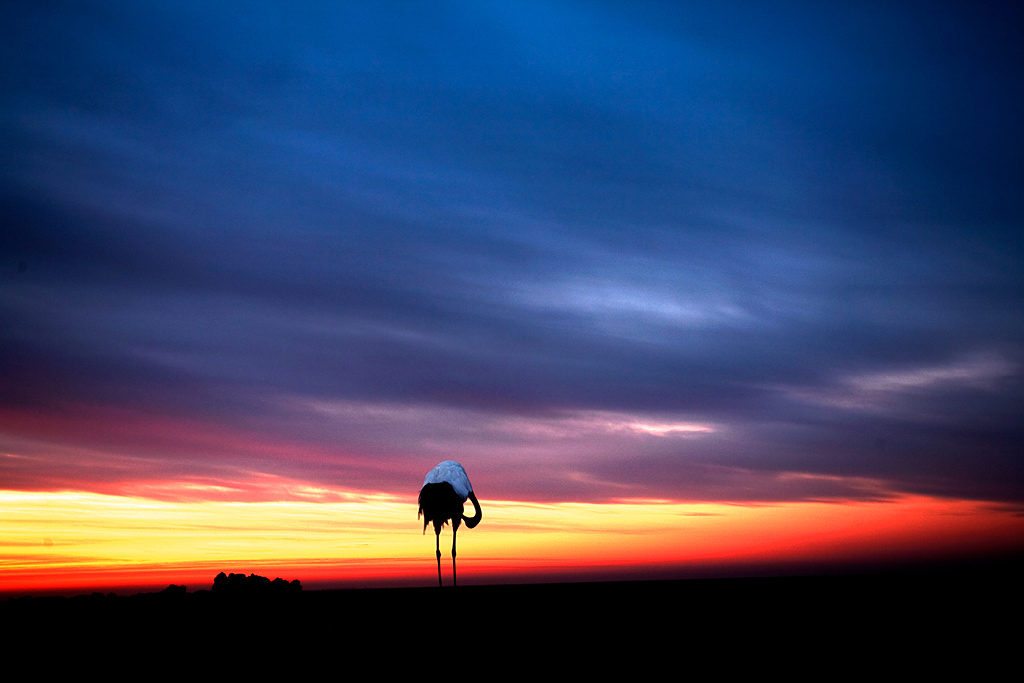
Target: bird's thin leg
439, 584
455, 530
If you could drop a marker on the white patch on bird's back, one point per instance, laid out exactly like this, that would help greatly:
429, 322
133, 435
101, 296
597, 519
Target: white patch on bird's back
453, 473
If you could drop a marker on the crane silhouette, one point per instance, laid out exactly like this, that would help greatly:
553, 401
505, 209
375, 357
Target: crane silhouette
445, 489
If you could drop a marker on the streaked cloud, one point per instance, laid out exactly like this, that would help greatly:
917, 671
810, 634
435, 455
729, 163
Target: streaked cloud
981, 373
883, 391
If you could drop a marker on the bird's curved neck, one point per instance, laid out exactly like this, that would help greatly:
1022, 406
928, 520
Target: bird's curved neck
477, 516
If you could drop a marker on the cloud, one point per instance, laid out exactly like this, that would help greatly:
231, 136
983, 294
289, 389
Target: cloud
690, 255
889, 390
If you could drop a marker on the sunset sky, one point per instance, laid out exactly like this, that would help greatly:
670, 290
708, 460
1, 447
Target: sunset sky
685, 286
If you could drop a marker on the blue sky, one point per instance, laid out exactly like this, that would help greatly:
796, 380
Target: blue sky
712, 251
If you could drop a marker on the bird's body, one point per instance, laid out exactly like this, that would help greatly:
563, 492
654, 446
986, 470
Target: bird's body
453, 473
442, 498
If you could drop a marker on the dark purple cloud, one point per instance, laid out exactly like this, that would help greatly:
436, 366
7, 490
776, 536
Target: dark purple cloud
376, 237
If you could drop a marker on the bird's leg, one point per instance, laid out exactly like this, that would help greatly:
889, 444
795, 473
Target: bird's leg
439, 584
455, 530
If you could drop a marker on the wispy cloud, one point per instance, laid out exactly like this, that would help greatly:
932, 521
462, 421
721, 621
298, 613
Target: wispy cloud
887, 390
592, 249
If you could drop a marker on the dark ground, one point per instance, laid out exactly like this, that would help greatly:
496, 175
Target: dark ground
950, 622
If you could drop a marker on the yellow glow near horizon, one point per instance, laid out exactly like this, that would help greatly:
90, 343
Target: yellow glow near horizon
70, 538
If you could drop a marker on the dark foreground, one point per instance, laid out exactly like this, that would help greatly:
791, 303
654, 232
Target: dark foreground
961, 622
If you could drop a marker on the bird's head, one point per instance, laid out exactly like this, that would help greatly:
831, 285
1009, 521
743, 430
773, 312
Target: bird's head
477, 515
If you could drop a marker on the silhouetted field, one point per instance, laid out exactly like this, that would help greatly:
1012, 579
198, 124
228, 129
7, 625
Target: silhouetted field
840, 623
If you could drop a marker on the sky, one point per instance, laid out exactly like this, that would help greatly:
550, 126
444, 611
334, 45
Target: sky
680, 279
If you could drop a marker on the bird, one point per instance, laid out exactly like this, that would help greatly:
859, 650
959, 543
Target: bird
445, 489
